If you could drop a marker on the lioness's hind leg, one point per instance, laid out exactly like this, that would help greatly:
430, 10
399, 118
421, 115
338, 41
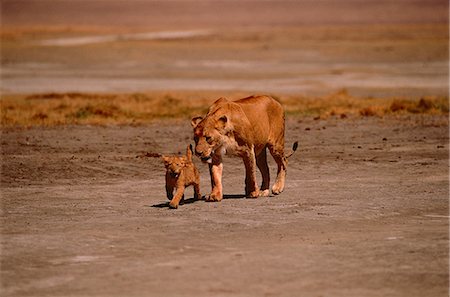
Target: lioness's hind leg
277, 153
261, 161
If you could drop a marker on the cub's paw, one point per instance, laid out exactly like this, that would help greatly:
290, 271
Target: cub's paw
173, 205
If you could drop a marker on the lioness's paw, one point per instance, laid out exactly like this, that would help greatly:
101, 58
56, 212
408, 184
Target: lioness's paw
277, 190
213, 197
254, 194
264, 193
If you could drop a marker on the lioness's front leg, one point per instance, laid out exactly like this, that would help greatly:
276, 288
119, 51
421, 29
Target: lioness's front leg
216, 170
251, 187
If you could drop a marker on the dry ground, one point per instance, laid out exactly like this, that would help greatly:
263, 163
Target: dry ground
367, 60
364, 213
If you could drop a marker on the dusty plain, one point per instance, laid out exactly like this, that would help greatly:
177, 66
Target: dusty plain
364, 213
86, 111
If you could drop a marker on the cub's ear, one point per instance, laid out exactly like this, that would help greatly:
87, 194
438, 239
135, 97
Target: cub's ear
166, 160
195, 121
189, 152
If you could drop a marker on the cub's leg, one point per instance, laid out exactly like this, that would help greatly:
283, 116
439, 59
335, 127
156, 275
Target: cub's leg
196, 183
169, 191
277, 152
197, 194
251, 187
261, 161
179, 195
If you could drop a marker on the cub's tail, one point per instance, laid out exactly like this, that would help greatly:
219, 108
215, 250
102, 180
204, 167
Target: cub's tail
294, 148
189, 153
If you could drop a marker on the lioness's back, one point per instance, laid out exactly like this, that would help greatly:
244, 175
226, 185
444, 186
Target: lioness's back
265, 114
261, 108
256, 104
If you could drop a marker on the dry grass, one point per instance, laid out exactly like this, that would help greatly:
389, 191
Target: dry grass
134, 109
343, 105
98, 109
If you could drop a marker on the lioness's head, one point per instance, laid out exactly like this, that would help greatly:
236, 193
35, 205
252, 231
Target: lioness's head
209, 135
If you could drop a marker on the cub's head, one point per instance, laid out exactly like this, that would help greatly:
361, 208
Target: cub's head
175, 164
210, 134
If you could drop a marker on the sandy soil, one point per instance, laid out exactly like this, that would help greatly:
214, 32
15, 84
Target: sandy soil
365, 213
403, 60
371, 48
182, 13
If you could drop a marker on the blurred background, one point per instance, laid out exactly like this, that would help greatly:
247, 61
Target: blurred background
370, 48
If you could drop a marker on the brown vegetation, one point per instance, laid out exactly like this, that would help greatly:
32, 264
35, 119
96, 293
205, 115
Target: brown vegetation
139, 108
342, 104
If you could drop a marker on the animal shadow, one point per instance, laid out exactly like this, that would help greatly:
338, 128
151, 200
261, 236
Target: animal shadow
193, 200
233, 196
166, 204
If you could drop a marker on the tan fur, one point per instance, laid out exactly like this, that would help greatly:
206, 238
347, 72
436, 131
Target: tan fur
181, 173
244, 127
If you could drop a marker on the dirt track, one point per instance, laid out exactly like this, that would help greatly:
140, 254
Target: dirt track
364, 213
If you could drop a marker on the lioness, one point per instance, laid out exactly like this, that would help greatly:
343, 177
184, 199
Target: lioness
245, 127
181, 173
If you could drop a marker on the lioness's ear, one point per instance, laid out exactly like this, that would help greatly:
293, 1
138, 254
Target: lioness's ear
195, 121
222, 122
220, 100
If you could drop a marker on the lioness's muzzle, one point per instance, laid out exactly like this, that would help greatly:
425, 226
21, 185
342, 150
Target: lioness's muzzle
206, 159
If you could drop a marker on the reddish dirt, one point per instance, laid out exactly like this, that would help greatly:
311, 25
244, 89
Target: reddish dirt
364, 213
182, 13
380, 48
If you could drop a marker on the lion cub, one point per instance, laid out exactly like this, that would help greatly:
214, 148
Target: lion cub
181, 173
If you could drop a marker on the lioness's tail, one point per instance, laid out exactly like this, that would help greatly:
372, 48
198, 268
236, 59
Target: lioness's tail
294, 148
